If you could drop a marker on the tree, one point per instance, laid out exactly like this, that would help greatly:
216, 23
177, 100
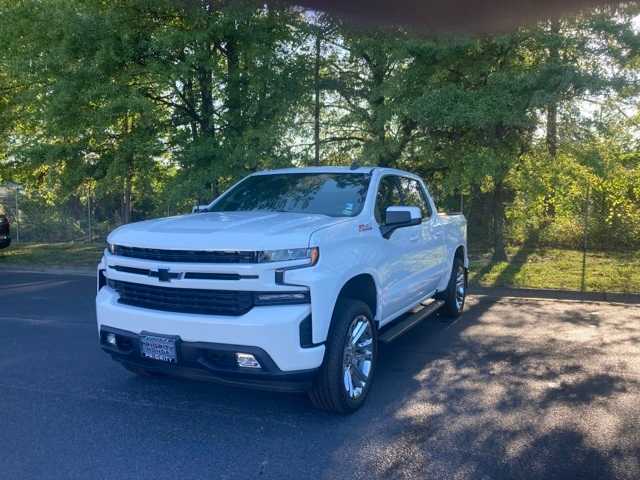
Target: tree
155, 105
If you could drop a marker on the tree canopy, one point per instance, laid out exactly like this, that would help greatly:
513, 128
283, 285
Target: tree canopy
147, 107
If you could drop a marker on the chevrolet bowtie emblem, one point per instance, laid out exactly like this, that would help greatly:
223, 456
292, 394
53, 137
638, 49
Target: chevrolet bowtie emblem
164, 275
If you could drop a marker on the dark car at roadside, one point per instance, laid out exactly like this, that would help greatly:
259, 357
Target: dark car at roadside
5, 233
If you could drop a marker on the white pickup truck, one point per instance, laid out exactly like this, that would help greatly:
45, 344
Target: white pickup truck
287, 281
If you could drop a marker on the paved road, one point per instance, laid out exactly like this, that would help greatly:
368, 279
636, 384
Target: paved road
517, 388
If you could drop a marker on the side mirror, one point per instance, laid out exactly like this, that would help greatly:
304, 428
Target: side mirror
400, 217
199, 208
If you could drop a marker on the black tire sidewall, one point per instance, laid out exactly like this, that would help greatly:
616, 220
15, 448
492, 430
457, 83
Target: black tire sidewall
451, 305
346, 311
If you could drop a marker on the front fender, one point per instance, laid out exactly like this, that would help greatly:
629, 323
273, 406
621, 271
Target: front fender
325, 288
345, 252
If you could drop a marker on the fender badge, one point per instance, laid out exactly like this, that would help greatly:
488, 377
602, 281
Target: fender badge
364, 227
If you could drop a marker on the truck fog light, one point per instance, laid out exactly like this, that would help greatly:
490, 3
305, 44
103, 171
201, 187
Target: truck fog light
246, 360
111, 339
281, 298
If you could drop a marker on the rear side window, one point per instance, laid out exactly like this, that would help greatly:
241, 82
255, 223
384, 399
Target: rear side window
413, 196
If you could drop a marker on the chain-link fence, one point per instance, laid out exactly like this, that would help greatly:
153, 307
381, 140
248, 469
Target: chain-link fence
589, 258
35, 220
78, 217
591, 245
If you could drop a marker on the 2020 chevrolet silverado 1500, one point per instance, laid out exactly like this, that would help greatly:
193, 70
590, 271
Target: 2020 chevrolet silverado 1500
287, 281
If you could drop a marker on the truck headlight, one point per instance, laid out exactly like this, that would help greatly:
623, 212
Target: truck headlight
310, 254
112, 248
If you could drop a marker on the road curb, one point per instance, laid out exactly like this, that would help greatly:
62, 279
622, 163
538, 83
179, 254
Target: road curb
633, 298
84, 272
495, 292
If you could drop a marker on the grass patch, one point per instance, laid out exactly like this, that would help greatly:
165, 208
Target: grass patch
559, 269
67, 254
530, 268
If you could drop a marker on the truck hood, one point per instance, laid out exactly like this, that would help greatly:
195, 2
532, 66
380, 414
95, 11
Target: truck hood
223, 231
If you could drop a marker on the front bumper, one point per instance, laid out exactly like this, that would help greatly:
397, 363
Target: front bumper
273, 329
209, 362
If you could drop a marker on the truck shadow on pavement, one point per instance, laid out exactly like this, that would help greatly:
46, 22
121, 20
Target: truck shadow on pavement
515, 388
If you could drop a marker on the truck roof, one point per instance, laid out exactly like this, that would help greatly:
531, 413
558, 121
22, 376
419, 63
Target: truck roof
331, 169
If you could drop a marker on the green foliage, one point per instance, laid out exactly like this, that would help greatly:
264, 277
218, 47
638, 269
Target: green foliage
144, 108
82, 256
552, 268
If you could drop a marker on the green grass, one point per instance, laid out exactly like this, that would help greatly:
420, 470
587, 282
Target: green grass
527, 268
68, 254
559, 269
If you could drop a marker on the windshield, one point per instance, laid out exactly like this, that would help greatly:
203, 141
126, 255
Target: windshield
332, 194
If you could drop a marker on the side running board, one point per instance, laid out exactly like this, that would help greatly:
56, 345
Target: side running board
408, 321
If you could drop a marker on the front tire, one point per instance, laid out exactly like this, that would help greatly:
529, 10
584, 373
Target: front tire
347, 372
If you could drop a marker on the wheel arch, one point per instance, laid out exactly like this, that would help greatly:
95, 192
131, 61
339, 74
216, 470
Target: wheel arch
461, 253
360, 287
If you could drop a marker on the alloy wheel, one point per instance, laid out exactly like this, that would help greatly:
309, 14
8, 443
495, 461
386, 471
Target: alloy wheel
461, 287
357, 358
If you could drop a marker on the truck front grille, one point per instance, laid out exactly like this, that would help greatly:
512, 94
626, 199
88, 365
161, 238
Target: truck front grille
187, 256
184, 300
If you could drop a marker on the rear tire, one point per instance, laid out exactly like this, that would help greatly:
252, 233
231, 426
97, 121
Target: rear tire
456, 293
347, 372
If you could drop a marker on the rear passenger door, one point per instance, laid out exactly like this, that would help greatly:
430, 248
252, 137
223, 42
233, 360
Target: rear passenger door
430, 254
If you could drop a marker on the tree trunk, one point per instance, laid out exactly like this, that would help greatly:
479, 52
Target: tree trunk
204, 77
128, 176
316, 113
190, 103
234, 102
552, 149
127, 191
552, 124
552, 106
552, 129
499, 250
378, 118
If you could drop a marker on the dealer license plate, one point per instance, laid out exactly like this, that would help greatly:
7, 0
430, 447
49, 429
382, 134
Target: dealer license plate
159, 348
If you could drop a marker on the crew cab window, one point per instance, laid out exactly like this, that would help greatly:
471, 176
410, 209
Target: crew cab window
414, 196
388, 196
395, 191
332, 194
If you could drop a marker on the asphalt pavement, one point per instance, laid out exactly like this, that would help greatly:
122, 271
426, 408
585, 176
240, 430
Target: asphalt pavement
518, 388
